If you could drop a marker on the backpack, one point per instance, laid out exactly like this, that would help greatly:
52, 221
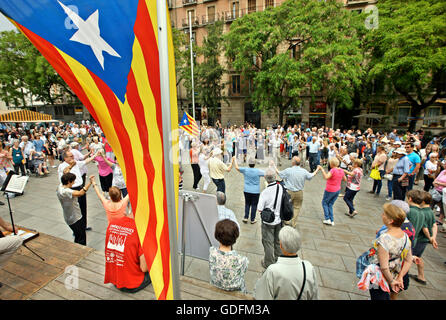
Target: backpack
286, 206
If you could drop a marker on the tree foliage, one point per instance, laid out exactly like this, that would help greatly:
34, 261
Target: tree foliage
210, 71
24, 71
328, 61
408, 50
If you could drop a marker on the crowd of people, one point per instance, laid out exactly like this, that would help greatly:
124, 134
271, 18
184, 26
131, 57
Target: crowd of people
343, 158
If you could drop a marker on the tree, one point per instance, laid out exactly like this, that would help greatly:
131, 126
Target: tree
326, 61
408, 50
25, 72
210, 71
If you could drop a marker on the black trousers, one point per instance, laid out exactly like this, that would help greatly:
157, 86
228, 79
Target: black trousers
80, 236
220, 183
197, 174
20, 166
399, 192
251, 201
82, 204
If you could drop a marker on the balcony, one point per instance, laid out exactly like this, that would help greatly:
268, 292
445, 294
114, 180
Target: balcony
195, 22
207, 19
189, 2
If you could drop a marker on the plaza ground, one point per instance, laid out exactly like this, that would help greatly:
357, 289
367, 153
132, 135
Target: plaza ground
331, 249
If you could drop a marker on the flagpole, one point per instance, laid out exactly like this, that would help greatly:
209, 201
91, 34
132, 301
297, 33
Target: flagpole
167, 129
191, 64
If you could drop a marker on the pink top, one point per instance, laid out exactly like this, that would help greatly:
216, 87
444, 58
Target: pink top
194, 153
103, 168
334, 183
441, 178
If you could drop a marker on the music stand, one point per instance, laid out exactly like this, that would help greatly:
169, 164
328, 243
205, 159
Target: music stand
15, 184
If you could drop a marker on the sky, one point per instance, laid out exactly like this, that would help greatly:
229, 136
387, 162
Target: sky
5, 24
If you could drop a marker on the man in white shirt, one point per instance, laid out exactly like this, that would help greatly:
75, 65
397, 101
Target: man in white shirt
73, 166
270, 230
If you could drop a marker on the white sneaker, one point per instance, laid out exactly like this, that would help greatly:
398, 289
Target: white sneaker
328, 222
388, 198
332, 223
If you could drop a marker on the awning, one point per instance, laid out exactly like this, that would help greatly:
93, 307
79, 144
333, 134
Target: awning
24, 116
370, 116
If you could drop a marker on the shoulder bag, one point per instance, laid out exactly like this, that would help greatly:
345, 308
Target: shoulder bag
303, 284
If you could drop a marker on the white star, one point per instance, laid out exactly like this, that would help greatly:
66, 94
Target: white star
89, 34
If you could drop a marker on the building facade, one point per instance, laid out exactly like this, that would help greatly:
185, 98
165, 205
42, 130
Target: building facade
394, 112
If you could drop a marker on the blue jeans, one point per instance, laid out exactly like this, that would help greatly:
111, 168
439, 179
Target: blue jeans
411, 182
327, 203
389, 188
377, 184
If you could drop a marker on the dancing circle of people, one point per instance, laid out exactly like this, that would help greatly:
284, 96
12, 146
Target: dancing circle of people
344, 159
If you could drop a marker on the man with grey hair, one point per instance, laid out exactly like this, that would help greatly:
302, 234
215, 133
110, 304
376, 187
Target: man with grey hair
290, 278
270, 230
223, 212
294, 181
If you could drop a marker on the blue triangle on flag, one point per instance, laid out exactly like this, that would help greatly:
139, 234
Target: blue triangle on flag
184, 120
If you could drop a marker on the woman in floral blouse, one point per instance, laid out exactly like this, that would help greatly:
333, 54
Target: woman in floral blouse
393, 252
227, 267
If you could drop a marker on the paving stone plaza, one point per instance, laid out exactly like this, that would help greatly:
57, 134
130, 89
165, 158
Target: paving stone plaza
331, 249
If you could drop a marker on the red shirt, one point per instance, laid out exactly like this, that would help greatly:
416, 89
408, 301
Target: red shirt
122, 252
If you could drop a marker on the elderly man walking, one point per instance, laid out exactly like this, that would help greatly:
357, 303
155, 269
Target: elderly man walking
294, 181
291, 278
270, 230
217, 169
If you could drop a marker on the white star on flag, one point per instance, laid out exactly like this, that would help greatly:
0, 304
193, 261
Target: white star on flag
89, 34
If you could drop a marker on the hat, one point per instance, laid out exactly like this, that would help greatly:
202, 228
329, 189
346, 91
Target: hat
252, 161
216, 151
401, 204
400, 151
385, 140
397, 142
74, 144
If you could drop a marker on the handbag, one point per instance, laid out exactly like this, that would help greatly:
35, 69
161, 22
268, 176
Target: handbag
436, 196
374, 174
268, 215
388, 176
405, 182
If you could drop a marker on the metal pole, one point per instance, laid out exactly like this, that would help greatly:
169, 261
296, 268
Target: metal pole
168, 165
191, 63
333, 115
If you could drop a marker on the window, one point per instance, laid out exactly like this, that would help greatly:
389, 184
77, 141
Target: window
432, 115
211, 13
235, 9
269, 3
252, 6
192, 12
403, 114
236, 84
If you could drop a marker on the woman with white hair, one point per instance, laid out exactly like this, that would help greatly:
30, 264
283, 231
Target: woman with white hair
430, 171
290, 278
204, 167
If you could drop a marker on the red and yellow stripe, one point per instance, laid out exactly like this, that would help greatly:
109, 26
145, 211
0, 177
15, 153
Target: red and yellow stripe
135, 132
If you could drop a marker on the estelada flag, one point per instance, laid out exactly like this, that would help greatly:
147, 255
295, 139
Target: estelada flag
107, 52
189, 125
